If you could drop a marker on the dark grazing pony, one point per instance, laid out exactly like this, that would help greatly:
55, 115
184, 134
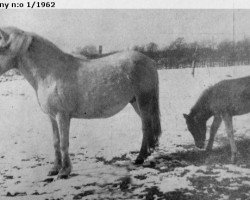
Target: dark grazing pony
69, 87
222, 101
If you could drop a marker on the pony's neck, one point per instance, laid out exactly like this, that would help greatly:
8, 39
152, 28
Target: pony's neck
201, 110
24, 66
202, 114
42, 59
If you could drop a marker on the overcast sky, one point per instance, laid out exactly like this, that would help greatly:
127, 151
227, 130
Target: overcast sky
121, 29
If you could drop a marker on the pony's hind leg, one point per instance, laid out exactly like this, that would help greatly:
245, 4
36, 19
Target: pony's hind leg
150, 116
229, 129
56, 140
214, 128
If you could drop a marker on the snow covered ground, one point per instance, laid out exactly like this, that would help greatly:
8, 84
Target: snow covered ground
102, 151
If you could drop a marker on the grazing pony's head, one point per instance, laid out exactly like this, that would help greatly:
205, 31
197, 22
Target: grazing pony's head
13, 43
197, 128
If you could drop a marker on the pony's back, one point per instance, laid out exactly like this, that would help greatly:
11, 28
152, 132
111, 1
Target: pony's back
231, 95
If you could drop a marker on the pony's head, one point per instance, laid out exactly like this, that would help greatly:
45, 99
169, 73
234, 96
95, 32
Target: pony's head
13, 44
197, 128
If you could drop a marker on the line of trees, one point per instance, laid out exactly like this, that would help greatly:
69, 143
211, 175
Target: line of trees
180, 54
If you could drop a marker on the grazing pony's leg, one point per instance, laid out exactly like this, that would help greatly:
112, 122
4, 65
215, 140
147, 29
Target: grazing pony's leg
229, 129
150, 115
215, 125
63, 121
58, 157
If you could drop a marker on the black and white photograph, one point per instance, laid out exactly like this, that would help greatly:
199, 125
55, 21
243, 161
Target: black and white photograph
124, 103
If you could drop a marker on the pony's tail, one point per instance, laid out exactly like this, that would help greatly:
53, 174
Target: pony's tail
155, 120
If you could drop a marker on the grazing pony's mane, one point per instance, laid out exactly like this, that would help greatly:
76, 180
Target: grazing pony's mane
201, 107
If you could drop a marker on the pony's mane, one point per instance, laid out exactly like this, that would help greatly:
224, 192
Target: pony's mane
12, 29
202, 102
48, 43
34, 36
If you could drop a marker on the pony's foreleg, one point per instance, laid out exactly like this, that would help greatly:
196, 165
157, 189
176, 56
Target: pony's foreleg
229, 129
214, 128
58, 157
63, 121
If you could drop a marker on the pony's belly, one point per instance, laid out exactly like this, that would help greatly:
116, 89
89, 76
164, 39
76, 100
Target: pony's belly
242, 110
104, 100
101, 111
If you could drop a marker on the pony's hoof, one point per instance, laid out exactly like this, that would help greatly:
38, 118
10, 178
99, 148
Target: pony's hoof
62, 176
53, 172
139, 161
64, 173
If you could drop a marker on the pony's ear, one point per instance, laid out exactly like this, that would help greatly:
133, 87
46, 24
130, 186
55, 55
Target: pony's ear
185, 116
4, 39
